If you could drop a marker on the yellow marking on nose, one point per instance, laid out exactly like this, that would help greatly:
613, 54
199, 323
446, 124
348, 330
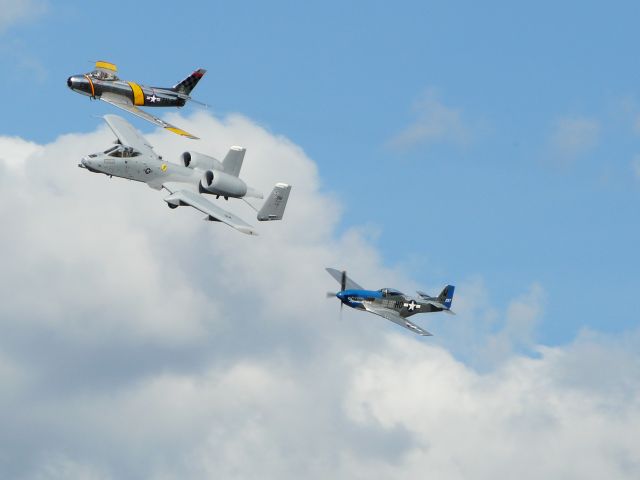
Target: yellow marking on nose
93, 90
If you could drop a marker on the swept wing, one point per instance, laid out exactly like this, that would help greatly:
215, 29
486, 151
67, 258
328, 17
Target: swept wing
349, 284
395, 318
125, 104
184, 196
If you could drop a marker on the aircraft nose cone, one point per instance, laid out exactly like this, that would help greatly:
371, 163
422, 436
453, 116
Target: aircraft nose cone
78, 83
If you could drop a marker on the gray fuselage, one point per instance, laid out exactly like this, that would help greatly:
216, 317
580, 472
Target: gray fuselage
119, 161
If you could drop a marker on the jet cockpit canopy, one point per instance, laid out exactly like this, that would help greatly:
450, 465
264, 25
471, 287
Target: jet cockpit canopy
103, 75
120, 151
104, 71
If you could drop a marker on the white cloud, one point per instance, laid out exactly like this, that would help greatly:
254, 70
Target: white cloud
15, 151
17, 11
435, 122
141, 342
523, 420
574, 136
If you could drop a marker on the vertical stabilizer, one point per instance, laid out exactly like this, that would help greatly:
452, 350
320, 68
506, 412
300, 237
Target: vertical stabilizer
273, 208
232, 163
189, 83
446, 296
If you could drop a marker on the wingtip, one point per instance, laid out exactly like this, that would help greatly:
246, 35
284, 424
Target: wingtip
181, 132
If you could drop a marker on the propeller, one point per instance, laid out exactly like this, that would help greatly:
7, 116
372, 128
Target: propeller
343, 287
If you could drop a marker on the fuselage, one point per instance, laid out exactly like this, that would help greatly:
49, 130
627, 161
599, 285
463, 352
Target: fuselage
390, 298
96, 84
119, 161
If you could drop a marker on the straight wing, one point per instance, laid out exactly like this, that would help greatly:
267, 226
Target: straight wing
395, 318
125, 104
213, 212
349, 284
129, 136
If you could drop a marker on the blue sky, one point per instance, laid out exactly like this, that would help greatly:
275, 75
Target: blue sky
529, 177
484, 144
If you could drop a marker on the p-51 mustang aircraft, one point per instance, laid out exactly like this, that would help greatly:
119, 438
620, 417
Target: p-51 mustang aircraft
133, 158
102, 83
389, 303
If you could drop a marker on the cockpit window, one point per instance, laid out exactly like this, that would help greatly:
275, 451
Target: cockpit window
121, 152
102, 75
390, 292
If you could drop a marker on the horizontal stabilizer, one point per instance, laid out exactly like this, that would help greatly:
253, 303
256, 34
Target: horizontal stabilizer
425, 296
273, 208
442, 301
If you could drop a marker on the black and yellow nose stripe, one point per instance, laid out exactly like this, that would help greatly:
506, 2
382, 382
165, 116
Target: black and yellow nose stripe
138, 96
93, 90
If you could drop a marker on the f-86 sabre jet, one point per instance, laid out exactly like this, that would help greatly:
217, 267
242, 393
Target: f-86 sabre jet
103, 84
390, 303
133, 158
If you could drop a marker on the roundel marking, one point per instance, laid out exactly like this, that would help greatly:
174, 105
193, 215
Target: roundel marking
163, 167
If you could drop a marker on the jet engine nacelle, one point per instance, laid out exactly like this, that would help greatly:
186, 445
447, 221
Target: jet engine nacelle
220, 183
200, 161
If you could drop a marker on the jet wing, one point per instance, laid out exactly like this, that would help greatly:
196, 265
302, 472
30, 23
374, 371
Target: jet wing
395, 318
349, 284
129, 136
213, 212
125, 104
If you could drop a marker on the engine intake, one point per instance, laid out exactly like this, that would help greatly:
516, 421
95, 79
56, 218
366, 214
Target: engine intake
200, 161
220, 183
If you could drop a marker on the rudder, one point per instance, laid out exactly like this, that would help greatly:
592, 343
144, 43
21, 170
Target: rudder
446, 296
189, 83
273, 208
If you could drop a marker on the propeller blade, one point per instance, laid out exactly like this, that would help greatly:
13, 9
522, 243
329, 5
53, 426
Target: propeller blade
343, 281
331, 294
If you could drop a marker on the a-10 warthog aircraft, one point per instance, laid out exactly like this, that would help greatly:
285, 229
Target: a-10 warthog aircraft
390, 303
133, 158
103, 84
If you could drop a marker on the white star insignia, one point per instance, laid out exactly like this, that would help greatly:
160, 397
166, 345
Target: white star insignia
412, 305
